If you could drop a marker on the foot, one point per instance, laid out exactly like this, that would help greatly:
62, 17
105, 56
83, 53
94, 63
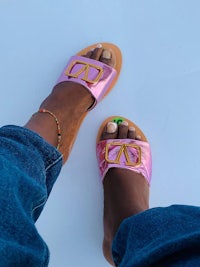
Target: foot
126, 193
69, 102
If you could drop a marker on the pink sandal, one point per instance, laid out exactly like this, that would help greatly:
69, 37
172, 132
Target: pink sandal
98, 78
129, 154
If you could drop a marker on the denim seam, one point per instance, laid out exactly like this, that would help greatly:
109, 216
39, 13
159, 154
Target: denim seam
42, 202
60, 158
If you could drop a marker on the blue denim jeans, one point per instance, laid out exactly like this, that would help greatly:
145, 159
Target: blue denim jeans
29, 167
159, 237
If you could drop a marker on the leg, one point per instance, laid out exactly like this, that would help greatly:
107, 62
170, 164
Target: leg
29, 166
125, 193
69, 102
28, 169
135, 235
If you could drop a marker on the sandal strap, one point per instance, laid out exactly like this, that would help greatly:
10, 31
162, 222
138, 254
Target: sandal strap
129, 154
94, 75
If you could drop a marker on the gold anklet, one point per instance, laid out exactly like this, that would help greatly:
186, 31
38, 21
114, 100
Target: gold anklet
57, 123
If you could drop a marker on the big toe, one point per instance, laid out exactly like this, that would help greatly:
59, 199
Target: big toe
108, 57
102, 54
110, 131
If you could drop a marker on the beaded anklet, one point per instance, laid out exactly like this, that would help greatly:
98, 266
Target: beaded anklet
57, 123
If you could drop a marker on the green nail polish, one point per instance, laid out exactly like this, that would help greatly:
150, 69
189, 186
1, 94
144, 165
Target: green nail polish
118, 120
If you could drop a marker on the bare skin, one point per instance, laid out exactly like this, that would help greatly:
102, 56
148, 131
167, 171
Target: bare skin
69, 102
126, 193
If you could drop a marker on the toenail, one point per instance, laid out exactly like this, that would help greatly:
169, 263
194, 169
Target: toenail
124, 123
99, 46
132, 129
111, 127
106, 54
138, 137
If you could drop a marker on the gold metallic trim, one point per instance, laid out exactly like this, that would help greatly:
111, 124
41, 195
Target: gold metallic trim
123, 149
85, 69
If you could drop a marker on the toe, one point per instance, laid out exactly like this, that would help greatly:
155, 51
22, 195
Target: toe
110, 131
89, 54
108, 57
123, 130
96, 53
131, 132
138, 137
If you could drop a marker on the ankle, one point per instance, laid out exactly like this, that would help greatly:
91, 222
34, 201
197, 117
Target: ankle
68, 102
125, 194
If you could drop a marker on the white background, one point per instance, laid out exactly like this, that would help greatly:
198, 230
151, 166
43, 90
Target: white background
158, 89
